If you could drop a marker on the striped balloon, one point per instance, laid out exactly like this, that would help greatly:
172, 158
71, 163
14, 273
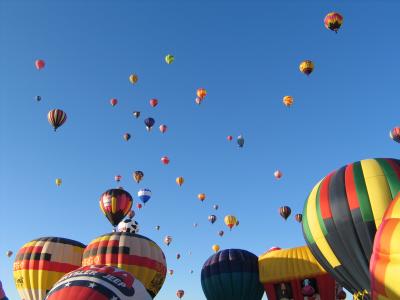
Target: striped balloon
98, 282
132, 253
333, 21
115, 205
342, 214
231, 274
144, 195
56, 118
40, 263
395, 134
385, 264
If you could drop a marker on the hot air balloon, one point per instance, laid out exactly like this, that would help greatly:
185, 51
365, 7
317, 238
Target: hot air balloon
136, 114
149, 122
294, 274
165, 160
132, 253
2, 293
113, 102
230, 221
39, 64
180, 293
221, 233
231, 274
195, 225
58, 181
395, 134
117, 178
229, 138
138, 176
240, 141
167, 240
198, 100
9, 253
191, 271
216, 206
98, 282
163, 128
278, 174
237, 223
212, 218
342, 214
153, 102
201, 197
158, 227
299, 217
288, 101
171, 272
56, 118
215, 248
201, 93
40, 263
179, 180
285, 212
139, 206
178, 256
127, 136
38, 98
306, 67
169, 59
133, 78
333, 21
131, 214
144, 195
115, 205
128, 225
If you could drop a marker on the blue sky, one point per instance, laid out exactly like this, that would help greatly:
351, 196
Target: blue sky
246, 54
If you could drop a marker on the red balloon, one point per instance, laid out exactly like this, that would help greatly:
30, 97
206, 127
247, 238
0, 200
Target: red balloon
39, 63
117, 178
163, 128
229, 138
165, 160
113, 101
180, 293
139, 205
153, 102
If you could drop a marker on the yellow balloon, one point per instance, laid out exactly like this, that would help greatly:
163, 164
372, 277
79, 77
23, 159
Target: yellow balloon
133, 78
306, 67
288, 101
230, 221
215, 248
180, 180
58, 181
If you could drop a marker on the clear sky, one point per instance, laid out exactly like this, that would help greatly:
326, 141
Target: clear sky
246, 54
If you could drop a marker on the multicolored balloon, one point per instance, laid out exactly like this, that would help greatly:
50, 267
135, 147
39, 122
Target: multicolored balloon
278, 174
201, 93
306, 67
333, 21
163, 128
285, 212
165, 160
117, 178
138, 176
179, 180
136, 114
153, 102
212, 218
180, 293
230, 221
144, 195
56, 118
133, 78
240, 141
169, 59
168, 240
299, 218
115, 205
113, 102
288, 101
395, 134
127, 136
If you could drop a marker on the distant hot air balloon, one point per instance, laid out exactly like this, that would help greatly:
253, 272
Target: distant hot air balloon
179, 180
40, 263
395, 134
117, 178
201, 93
215, 248
127, 136
231, 274
212, 218
180, 293
157, 227
98, 282
133, 253
285, 212
39, 64
299, 218
171, 272
133, 78
138, 176
178, 256
198, 100
165, 160
139, 206
149, 122
38, 98
131, 214
113, 102
144, 195
58, 181
237, 223
229, 138
240, 141
221, 233
333, 21
191, 271
201, 197
115, 205
306, 67
288, 101
169, 59
163, 128
230, 221
216, 206
278, 174
168, 240
9, 253
136, 114
195, 225
56, 118
153, 102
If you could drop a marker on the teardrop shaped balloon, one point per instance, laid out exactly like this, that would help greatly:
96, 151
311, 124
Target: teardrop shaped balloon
201, 93
117, 178
333, 21
179, 180
113, 102
167, 240
115, 205
180, 293
39, 64
58, 181
169, 59
144, 195
201, 197
153, 102
136, 114
133, 78
395, 134
285, 212
230, 221
163, 128
212, 218
165, 160
240, 141
127, 136
306, 67
288, 101
149, 122
138, 176
215, 248
56, 118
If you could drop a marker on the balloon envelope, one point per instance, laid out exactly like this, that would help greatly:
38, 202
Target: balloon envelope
115, 205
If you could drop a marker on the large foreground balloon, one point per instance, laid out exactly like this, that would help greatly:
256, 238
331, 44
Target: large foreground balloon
342, 214
98, 282
115, 205
40, 263
132, 253
231, 274
333, 21
385, 262
56, 118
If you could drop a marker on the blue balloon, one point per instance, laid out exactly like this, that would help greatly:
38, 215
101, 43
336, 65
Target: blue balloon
149, 122
144, 195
